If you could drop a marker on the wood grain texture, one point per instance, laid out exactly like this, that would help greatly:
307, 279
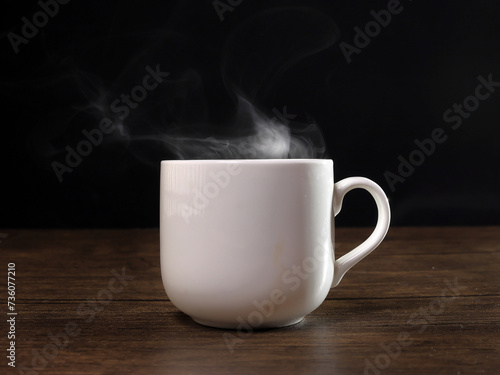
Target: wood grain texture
392, 300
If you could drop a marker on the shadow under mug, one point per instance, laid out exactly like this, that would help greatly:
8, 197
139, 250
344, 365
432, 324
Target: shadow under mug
250, 242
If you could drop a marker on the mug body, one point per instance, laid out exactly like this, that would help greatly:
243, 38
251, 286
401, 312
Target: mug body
246, 244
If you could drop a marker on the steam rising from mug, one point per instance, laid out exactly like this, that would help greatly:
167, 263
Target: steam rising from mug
178, 119
280, 43
267, 138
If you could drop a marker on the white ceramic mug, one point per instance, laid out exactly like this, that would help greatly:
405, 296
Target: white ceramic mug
248, 243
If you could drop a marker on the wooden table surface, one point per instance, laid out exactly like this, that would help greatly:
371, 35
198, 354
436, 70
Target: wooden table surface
427, 301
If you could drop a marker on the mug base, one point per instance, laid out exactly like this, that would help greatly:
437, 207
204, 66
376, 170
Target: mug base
231, 325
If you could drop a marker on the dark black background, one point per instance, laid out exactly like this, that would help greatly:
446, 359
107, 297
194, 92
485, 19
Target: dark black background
275, 53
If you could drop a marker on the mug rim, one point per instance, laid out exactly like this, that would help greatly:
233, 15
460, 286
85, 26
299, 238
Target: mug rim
248, 161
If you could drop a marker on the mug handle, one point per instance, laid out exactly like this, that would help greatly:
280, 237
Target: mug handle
341, 188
